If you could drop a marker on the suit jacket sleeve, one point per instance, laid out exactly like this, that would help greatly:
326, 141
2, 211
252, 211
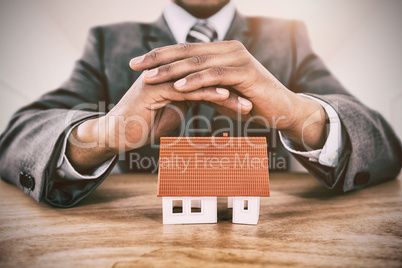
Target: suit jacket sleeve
372, 151
31, 144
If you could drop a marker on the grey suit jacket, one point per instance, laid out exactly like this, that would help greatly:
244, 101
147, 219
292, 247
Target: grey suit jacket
30, 146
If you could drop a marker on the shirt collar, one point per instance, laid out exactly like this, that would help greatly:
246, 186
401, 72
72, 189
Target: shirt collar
180, 21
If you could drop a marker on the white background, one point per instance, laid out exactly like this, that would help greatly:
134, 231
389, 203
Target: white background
359, 40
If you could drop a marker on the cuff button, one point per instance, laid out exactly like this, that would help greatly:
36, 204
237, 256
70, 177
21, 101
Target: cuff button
27, 181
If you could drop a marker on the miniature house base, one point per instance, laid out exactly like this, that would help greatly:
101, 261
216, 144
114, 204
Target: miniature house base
196, 209
194, 171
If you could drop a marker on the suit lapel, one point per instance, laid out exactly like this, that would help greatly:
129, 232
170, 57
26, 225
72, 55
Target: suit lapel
158, 35
239, 30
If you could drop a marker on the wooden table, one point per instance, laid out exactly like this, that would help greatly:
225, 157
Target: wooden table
120, 225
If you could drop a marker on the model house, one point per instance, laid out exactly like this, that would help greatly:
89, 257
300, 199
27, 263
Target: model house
194, 171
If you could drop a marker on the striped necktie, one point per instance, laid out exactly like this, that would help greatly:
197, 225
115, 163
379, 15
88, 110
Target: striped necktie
201, 32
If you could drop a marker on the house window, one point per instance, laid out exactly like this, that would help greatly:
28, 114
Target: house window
196, 206
177, 206
245, 204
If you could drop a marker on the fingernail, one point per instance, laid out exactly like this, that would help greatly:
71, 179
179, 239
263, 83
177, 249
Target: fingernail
137, 60
222, 91
151, 73
244, 102
180, 82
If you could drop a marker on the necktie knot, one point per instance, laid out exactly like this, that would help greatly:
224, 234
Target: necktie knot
202, 32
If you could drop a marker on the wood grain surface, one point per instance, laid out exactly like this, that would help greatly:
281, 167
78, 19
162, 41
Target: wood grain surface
120, 225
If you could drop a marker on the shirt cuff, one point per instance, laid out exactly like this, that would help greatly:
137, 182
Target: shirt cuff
67, 171
332, 149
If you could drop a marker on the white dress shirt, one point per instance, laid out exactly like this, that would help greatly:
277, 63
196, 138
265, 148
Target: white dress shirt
180, 22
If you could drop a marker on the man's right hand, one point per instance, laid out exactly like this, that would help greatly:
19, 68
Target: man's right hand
144, 112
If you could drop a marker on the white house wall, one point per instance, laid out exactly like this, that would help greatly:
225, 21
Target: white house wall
208, 212
249, 216
230, 202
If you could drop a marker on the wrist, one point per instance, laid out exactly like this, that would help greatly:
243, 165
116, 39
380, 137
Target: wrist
307, 124
84, 147
94, 134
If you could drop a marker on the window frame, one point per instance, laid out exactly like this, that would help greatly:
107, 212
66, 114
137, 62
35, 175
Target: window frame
173, 206
245, 205
201, 206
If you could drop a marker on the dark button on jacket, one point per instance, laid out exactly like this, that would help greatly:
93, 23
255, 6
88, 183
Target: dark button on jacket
27, 181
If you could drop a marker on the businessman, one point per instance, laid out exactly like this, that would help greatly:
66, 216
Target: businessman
200, 69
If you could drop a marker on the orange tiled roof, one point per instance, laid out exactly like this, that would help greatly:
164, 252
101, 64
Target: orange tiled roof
213, 166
